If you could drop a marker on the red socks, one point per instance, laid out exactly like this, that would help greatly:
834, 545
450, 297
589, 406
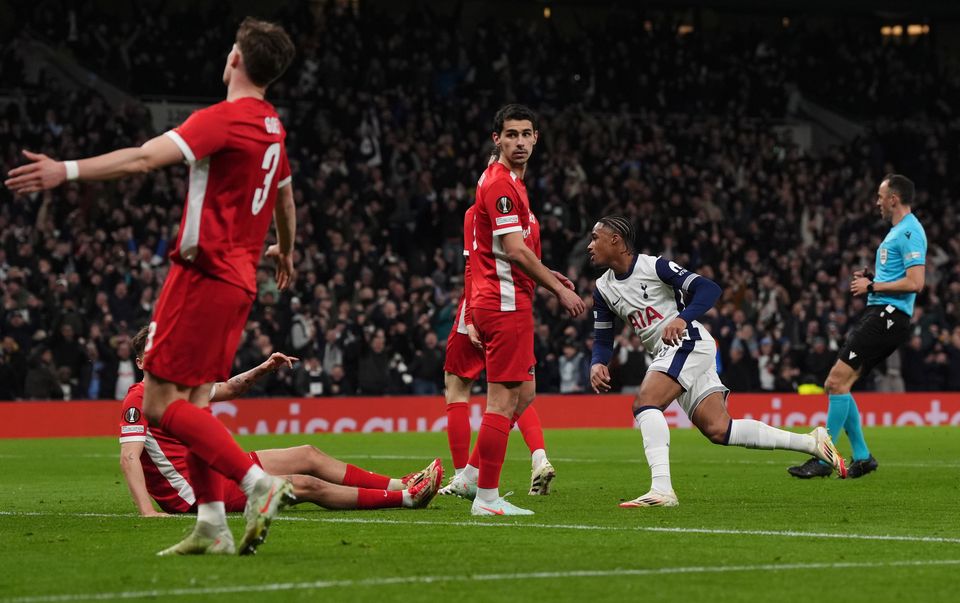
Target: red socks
206, 437
361, 478
530, 429
378, 499
207, 484
458, 432
492, 448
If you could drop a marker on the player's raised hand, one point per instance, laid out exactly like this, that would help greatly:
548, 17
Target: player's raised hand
600, 378
285, 271
571, 302
673, 332
474, 337
276, 360
41, 173
564, 280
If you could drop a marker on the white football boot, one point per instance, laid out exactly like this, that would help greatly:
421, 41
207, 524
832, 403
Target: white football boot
459, 486
653, 498
498, 507
541, 478
827, 452
271, 494
205, 539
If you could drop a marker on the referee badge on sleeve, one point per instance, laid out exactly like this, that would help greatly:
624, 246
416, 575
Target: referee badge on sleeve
883, 255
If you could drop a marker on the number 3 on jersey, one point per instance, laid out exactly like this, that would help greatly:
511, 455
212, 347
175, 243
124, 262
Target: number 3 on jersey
271, 161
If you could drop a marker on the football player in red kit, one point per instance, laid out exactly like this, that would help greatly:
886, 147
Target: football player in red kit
154, 464
239, 181
505, 268
463, 364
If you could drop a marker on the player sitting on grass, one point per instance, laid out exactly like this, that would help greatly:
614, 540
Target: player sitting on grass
648, 293
155, 464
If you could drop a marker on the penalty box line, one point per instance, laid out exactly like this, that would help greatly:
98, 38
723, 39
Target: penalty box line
500, 577
553, 526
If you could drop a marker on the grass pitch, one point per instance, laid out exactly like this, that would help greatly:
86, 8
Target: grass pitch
744, 531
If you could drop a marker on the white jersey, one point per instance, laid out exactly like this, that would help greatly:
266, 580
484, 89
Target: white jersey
648, 297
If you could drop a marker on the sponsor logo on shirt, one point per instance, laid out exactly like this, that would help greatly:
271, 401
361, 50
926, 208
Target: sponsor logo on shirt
504, 205
913, 255
132, 415
132, 429
503, 220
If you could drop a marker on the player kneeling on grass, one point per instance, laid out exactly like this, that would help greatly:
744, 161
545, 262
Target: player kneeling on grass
155, 464
648, 293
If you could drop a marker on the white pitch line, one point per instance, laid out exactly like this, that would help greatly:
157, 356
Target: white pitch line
401, 580
424, 457
553, 526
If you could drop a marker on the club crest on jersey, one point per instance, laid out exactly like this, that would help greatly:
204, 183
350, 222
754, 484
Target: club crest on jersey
504, 205
883, 255
131, 415
643, 318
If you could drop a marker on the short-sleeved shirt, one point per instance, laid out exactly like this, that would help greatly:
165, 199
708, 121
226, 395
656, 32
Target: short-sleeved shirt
502, 207
904, 246
164, 458
237, 160
460, 324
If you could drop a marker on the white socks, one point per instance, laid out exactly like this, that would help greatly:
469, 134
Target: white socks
407, 499
754, 434
254, 474
538, 457
488, 495
656, 446
471, 474
213, 513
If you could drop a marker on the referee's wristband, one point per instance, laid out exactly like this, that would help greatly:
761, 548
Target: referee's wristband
870, 288
73, 170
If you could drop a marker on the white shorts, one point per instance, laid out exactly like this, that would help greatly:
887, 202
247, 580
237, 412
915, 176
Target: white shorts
694, 366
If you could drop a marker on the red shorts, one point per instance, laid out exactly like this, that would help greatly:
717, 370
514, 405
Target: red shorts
463, 359
508, 343
233, 497
196, 328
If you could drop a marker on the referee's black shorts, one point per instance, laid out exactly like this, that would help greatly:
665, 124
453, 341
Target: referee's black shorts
881, 330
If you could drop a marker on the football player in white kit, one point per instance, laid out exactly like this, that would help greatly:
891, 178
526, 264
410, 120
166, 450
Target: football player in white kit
662, 302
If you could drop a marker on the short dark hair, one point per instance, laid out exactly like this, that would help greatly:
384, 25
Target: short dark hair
515, 112
902, 186
622, 226
266, 48
139, 342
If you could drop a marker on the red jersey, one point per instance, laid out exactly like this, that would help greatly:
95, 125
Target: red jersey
164, 458
502, 207
237, 160
463, 318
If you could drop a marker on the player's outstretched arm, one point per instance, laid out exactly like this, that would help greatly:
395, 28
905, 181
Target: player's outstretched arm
238, 385
602, 344
133, 474
522, 256
44, 173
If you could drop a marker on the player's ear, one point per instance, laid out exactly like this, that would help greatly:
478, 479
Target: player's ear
536, 136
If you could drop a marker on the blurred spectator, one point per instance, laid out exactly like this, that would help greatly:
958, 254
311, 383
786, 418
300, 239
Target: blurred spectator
310, 380
41, 381
427, 367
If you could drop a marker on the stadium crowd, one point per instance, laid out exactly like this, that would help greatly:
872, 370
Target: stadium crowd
387, 135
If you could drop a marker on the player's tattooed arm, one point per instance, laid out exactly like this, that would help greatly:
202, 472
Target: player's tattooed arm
238, 385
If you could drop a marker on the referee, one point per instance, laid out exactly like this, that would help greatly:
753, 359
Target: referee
884, 326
